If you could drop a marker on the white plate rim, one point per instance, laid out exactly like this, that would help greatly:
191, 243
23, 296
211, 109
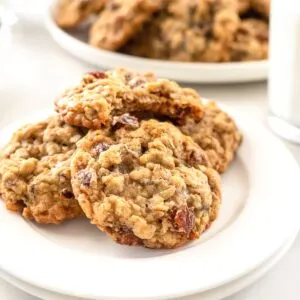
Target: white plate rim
256, 239
215, 294
181, 71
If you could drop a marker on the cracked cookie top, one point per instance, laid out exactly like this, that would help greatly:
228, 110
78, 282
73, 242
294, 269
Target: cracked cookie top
102, 95
145, 183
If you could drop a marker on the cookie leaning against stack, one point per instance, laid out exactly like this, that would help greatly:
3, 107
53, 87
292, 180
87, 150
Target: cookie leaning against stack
137, 155
35, 177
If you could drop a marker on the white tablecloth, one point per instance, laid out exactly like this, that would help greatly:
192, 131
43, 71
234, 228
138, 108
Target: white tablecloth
37, 70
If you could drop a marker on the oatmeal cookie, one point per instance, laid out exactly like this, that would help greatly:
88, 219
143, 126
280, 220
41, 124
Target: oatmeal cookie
70, 13
262, 7
243, 6
184, 29
251, 41
100, 96
119, 21
217, 134
168, 38
146, 184
215, 51
35, 171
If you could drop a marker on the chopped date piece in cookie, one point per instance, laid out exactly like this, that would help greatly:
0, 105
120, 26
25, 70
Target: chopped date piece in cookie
119, 21
70, 13
217, 134
98, 99
35, 177
146, 188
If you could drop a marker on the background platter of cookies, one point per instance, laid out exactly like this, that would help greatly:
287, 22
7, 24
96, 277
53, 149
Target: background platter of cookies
181, 30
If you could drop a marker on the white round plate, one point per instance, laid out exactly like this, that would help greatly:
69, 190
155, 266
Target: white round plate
75, 42
258, 214
214, 294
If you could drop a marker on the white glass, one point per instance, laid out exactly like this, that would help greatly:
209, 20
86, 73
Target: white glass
284, 69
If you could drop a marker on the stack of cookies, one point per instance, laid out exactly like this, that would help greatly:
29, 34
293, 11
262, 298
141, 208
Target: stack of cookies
140, 157
177, 30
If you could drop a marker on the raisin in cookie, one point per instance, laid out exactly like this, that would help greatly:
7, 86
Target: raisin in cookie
70, 13
35, 171
119, 21
251, 41
145, 184
100, 96
184, 29
217, 134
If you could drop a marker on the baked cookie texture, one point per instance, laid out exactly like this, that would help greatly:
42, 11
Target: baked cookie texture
262, 7
145, 183
119, 21
251, 41
243, 6
35, 171
188, 31
100, 96
217, 134
70, 13
137, 155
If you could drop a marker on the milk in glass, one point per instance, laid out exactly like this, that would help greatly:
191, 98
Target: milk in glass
284, 69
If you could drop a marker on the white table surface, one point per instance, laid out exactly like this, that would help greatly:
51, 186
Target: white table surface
37, 70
